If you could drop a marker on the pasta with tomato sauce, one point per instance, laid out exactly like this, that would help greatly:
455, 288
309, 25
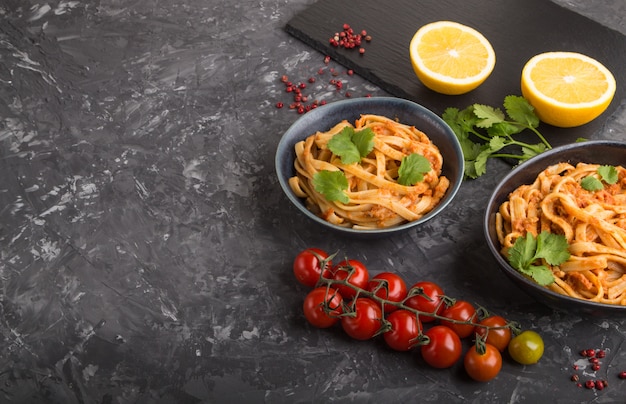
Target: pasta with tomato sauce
376, 198
592, 221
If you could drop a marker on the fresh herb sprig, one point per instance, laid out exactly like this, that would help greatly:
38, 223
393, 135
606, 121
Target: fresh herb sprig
527, 253
483, 131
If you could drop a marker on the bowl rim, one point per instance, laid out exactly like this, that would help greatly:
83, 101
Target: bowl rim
505, 267
365, 101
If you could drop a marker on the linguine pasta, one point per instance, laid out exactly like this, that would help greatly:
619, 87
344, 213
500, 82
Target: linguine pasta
593, 223
376, 199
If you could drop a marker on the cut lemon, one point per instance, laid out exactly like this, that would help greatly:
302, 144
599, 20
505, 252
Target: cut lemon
451, 58
566, 88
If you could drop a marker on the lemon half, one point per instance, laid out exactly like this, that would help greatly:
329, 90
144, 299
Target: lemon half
567, 89
451, 58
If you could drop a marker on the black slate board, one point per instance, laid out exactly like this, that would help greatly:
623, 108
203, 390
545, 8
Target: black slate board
517, 30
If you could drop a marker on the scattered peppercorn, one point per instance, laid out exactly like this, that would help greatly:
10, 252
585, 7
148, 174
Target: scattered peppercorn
302, 102
348, 38
594, 357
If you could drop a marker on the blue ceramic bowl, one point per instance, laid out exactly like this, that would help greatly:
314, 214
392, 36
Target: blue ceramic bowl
407, 112
596, 152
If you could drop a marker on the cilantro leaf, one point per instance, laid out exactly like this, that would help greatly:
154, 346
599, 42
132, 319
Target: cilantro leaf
608, 174
470, 149
522, 254
477, 165
527, 253
520, 111
412, 169
451, 117
504, 129
480, 162
341, 144
488, 115
552, 248
331, 184
364, 141
351, 145
591, 184
537, 149
461, 121
496, 143
540, 274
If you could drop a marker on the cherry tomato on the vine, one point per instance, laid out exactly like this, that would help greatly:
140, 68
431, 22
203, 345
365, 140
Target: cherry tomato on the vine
352, 271
322, 307
307, 268
483, 366
389, 286
428, 302
444, 348
460, 311
498, 337
526, 348
367, 319
404, 329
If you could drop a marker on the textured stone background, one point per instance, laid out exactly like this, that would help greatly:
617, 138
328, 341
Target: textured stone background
146, 247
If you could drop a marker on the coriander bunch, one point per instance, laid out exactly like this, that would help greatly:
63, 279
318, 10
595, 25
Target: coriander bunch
484, 131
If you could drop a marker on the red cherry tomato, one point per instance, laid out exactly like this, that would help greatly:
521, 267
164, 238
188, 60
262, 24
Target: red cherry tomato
388, 286
498, 337
460, 311
444, 348
485, 366
366, 322
322, 307
404, 330
430, 304
354, 272
307, 268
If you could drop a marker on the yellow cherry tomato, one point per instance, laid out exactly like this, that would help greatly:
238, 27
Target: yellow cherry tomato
526, 348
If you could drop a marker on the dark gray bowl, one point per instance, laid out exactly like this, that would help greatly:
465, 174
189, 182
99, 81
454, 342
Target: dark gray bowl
596, 152
407, 112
